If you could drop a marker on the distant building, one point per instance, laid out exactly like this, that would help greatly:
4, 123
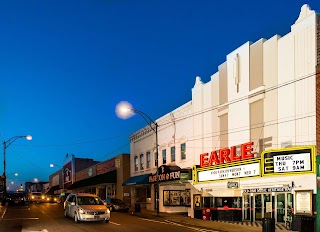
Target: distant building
63, 178
35, 187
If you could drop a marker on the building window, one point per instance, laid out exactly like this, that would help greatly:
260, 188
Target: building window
148, 159
164, 156
177, 197
183, 151
136, 164
141, 162
173, 154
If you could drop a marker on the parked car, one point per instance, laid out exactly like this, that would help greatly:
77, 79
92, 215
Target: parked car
51, 198
36, 197
115, 204
16, 198
86, 207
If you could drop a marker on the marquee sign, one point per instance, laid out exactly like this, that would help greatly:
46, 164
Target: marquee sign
227, 155
292, 162
245, 170
289, 160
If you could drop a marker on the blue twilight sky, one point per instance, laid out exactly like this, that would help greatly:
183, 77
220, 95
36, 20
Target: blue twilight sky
64, 65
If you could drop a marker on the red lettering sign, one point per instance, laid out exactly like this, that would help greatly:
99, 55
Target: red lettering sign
227, 155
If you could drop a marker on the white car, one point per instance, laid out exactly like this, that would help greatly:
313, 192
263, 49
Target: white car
86, 207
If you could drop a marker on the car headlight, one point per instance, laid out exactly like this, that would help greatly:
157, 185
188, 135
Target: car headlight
80, 210
32, 197
107, 211
55, 199
42, 197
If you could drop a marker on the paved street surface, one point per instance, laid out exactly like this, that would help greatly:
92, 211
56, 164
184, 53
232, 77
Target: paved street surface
47, 217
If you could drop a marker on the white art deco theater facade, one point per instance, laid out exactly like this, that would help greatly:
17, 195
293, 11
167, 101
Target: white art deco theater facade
248, 137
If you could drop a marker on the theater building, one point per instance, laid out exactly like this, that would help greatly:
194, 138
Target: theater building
263, 100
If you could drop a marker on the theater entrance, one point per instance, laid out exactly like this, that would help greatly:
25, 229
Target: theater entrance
255, 207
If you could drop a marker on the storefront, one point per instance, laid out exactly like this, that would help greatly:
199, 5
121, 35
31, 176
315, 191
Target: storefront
280, 184
174, 188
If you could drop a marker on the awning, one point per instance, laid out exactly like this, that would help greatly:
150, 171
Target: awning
135, 180
109, 177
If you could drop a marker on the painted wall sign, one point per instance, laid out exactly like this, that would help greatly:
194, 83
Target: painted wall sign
292, 162
244, 170
227, 155
268, 190
67, 175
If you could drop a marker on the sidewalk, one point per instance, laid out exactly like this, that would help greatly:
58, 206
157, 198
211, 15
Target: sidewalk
210, 225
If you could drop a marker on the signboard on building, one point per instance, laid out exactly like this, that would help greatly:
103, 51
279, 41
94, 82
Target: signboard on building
166, 173
292, 162
289, 160
67, 175
245, 170
227, 155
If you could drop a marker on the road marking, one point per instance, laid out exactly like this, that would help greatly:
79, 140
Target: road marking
150, 220
11, 219
115, 223
3, 213
24, 230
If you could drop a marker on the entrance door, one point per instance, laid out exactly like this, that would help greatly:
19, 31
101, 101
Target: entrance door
281, 202
258, 207
246, 213
268, 205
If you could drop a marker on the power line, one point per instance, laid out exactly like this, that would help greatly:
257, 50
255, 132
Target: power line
239, 99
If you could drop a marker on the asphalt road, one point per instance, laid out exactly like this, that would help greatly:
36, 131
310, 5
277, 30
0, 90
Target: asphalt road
48, 217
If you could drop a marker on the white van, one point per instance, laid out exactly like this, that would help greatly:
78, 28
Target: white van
86, 207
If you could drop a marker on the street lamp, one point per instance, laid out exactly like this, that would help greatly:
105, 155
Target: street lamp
54, 165
125, 110
6, 144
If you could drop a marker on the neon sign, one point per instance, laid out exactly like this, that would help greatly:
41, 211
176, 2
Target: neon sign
226, 155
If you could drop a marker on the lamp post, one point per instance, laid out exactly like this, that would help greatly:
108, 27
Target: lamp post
6, 144
125, 110
54, 165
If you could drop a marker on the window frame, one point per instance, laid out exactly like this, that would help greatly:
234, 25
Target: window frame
183, 152
164, 156
148, 157
141, 161
173, 153
136, 163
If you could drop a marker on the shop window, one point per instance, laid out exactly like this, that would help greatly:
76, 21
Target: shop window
164, 156
148, 160
136, 163
177, 197
183, 151
141, 162
230, 202
173, 154
208, 202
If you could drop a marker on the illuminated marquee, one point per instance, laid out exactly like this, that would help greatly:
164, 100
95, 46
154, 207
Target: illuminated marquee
246, 170
292, 162
227, 155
